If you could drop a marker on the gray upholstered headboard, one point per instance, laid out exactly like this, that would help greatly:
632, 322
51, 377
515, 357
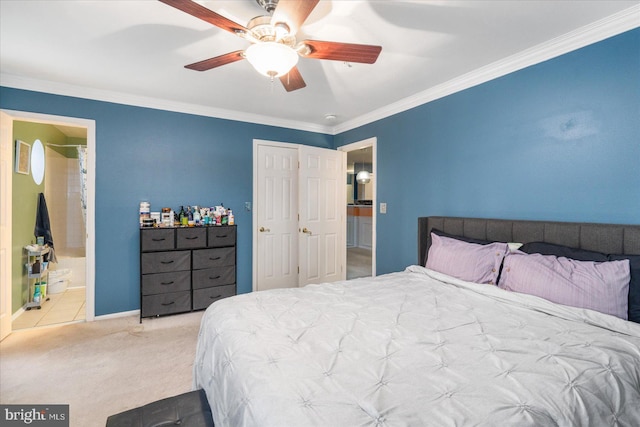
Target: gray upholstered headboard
606, 238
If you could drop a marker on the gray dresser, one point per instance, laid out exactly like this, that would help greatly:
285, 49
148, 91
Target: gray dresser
185, 269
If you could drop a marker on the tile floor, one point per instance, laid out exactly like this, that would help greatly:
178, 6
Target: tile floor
358, 263
61, 308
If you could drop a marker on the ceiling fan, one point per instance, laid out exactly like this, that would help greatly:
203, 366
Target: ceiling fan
274, 51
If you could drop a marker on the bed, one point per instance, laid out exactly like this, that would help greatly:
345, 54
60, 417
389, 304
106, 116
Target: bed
424, 348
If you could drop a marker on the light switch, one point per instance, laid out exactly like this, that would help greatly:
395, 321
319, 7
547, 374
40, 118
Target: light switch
383, 208
247, 206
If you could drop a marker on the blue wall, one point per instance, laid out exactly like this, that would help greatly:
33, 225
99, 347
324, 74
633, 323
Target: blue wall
559, 140
556, 141
168, 159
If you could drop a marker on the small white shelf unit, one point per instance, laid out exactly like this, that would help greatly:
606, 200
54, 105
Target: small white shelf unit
37, 273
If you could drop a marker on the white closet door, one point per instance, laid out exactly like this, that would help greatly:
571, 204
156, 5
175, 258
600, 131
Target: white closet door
276, 205
322, 224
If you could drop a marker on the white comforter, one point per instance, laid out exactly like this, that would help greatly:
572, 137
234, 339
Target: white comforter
415, 348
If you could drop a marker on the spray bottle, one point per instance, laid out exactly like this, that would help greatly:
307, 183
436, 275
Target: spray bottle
36, 293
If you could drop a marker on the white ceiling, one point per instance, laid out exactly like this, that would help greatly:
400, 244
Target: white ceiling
134, 52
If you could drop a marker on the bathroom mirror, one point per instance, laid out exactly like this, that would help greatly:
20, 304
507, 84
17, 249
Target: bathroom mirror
37, 161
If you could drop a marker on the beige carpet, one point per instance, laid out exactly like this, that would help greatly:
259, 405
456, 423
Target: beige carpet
99, 368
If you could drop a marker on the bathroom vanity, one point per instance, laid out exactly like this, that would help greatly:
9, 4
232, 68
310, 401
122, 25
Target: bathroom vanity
359, 226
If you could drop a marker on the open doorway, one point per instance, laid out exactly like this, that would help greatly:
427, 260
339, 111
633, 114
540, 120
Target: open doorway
360, 205
76, 243
65, 195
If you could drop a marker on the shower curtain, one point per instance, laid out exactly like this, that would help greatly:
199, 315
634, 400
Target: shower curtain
82, 163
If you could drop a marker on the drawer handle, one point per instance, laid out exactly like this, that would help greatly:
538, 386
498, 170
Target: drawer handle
214, 278
155, 239
166, 262
215, 259
168, 303
221, 237
167, 283
216, 297
191, 238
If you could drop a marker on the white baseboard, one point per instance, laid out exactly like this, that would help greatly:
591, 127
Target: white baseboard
18, 313
120, 314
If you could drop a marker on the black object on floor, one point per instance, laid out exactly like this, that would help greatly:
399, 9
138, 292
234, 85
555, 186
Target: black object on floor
187, 410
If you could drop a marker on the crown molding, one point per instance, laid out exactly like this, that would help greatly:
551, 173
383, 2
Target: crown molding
56, 88
613, 25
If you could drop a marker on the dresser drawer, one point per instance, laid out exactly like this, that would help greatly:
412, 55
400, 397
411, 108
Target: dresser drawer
188, 238
160, 283
202, 298
157, 239
163, 262
216, 276
221, 236
171, 302
207, 258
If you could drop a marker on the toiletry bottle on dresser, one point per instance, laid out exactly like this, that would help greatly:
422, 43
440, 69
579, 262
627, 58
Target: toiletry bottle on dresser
231, 218
183, 216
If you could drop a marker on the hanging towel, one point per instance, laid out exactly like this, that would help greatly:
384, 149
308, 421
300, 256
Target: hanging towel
43, 226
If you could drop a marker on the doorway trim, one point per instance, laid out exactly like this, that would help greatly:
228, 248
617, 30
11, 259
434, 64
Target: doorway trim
90, 125
373, 143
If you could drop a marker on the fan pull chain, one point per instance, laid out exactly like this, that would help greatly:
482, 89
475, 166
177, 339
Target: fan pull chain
272, 75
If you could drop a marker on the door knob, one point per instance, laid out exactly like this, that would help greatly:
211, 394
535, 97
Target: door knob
262, 229
307, 231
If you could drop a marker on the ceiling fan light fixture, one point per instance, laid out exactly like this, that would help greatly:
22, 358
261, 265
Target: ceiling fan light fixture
271, 59
282, 30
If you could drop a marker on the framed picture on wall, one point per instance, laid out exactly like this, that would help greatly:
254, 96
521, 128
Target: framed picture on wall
23, 157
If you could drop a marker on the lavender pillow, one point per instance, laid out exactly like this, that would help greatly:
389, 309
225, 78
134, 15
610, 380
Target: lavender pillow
467, 261
600, 286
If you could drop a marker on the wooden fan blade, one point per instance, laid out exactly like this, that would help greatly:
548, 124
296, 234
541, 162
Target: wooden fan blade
293, 13
201, 12
349, 52
210, 63
293, 80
